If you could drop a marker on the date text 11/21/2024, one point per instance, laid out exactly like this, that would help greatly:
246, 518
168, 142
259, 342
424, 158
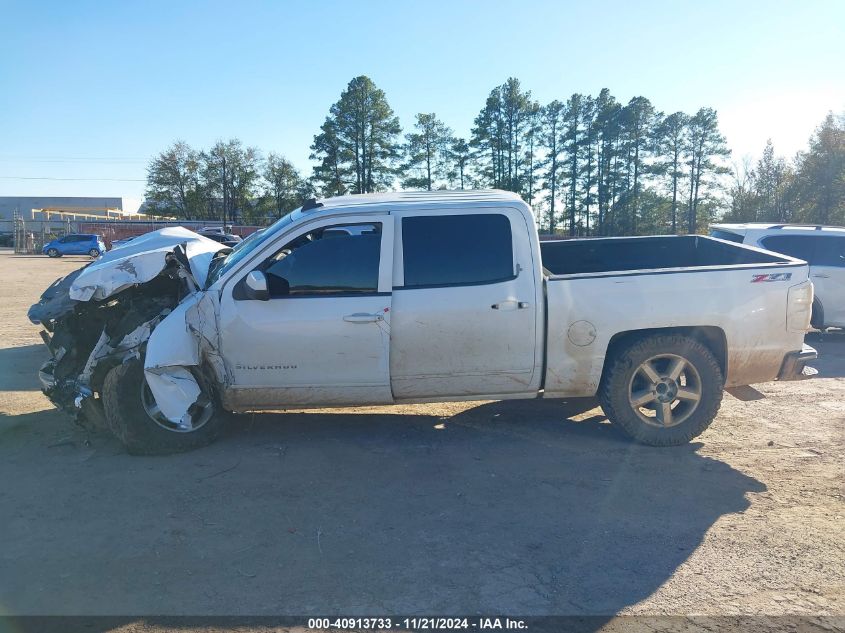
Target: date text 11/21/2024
419, 623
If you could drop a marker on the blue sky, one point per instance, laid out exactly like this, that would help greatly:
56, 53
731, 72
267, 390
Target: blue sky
94, 89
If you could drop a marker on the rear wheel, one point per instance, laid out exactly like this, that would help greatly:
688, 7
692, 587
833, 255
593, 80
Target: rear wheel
52, 252
135, 418
662, 390
94, 253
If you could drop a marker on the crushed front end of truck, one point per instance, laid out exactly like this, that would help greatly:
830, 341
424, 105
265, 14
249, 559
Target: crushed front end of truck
104, 314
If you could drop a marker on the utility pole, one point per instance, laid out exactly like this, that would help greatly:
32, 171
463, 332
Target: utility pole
224, 192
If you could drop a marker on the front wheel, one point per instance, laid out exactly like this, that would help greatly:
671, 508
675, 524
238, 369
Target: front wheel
135, 419
662, 390
52, 252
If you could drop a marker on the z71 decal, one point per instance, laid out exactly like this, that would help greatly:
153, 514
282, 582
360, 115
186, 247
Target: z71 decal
756, 279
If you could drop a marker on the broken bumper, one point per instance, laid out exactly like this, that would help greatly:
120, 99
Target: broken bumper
46, 378
795, 362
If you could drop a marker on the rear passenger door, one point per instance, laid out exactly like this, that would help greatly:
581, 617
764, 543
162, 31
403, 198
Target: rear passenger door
464, 314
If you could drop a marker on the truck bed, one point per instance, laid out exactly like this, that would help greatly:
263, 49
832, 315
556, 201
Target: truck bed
621, 254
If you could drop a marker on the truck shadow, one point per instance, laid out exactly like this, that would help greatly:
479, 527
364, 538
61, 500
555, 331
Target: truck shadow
508, 507
530, 508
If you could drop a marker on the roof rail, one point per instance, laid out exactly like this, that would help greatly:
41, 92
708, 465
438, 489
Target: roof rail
817, 227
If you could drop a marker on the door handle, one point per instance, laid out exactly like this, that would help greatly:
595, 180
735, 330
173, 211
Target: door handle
511, 304
821, 276
363, 317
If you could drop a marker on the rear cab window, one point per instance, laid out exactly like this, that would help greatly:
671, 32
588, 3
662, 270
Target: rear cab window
456, 250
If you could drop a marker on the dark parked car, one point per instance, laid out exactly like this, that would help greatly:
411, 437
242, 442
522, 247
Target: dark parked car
118, 243
227, 239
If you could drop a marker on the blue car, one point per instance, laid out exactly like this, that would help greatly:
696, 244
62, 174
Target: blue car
75, 244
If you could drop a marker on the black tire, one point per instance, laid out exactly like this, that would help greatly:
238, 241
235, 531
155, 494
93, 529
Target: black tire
817, 317
94, 253
92, 416
132, 425
52, 252
616, 392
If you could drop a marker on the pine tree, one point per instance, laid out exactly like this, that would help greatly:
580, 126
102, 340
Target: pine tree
572, 145
529, 161
500, 136
671, 138
334, 171
638, 120
459, 157
551, 142
821, 174
588, 169
358, 140
607, 135
706, 149
427, 152
770, 184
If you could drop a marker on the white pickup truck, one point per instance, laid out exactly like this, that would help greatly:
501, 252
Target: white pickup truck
417, 297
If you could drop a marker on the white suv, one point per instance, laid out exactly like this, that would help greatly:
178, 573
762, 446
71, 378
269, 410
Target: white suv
823, 247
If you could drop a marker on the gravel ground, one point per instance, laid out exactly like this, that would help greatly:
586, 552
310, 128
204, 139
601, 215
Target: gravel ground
528, 508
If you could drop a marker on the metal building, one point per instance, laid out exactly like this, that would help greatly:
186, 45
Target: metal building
24, 205
27, 221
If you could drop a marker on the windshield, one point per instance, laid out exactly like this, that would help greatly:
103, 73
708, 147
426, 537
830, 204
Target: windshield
223, 263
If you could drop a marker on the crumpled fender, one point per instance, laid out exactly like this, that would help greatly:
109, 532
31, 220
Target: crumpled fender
180, 342
55, 302
140, 261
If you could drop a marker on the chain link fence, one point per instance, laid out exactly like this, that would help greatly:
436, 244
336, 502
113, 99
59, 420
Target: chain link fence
28, 237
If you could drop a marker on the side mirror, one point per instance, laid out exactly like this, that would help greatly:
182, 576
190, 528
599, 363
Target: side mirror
255, 285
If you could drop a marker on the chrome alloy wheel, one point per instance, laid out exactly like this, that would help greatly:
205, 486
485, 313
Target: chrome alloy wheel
199, 413
665, 390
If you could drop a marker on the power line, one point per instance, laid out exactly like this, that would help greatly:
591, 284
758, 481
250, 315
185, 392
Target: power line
72, 179
74, 158
76, 161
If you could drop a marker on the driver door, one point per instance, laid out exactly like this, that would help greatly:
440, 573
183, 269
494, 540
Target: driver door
323, 336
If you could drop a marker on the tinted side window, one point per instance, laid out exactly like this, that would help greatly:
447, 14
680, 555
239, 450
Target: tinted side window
726, 235
830, 251
456, 249
340, 265
800, 246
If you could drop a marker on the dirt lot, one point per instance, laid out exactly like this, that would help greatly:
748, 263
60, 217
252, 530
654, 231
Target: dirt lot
524, 508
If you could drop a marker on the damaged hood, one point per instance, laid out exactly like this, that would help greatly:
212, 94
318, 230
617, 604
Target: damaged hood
141, 260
